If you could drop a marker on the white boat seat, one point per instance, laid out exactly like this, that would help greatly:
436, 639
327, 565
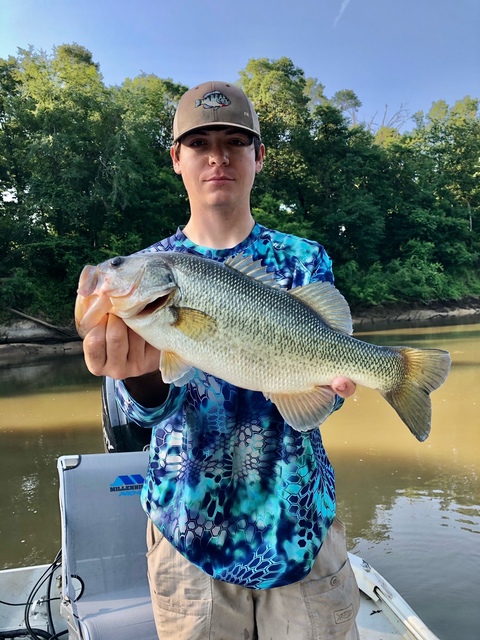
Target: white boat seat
104, 574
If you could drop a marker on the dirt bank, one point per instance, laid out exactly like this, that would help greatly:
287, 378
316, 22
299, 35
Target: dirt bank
22, 341
21, 352
396, 316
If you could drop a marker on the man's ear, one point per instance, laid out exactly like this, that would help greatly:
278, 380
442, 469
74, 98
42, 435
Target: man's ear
259, 160
175, 160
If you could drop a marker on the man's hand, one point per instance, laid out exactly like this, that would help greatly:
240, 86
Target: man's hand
112, 349
343, 387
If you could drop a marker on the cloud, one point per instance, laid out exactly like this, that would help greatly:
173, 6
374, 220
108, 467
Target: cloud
343, 6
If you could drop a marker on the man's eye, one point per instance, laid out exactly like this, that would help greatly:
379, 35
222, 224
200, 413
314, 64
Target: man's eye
240, 142
196, 143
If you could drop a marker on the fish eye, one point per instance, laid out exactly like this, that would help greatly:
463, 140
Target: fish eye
116, 262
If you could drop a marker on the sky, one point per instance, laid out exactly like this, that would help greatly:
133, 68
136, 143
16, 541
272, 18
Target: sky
392, 53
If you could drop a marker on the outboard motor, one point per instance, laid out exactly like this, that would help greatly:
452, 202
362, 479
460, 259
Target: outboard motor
119, 434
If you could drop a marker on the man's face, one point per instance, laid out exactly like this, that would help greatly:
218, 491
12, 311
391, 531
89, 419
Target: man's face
218, 167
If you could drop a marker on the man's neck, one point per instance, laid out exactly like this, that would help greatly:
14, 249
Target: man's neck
218, 231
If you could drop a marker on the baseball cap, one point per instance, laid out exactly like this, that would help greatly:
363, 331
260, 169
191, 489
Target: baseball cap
214, 103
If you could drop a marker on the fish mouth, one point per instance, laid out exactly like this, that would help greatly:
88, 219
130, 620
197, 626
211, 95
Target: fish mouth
88, 281
159, 302
142, 308
89, 310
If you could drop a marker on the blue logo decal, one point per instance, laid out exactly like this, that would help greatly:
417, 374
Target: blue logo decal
128, 485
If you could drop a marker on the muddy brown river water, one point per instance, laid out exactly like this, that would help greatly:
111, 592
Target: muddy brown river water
412, 509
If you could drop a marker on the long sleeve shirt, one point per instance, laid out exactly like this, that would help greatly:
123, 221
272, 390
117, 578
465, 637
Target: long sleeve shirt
235, 489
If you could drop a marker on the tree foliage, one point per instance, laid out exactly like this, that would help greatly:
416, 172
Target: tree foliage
85, 173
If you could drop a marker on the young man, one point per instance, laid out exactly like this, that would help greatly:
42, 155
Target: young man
242, 538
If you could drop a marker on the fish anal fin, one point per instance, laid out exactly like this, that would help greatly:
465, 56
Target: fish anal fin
328, 302
193, 323
251, 268
304, 411
175, 369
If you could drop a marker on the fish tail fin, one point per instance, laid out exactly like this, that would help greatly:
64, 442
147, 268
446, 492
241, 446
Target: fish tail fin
198, 103
425, 371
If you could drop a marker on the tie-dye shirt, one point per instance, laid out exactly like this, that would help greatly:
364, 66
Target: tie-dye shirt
236, 490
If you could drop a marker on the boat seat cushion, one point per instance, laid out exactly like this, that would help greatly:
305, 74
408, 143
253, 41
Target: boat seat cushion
119, 615
105, 585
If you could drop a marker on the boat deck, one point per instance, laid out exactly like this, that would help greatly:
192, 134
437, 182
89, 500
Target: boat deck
111, 567
382, 616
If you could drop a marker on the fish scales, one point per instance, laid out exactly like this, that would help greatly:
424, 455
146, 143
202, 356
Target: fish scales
231, 321
266, 325
253, 346
245, 343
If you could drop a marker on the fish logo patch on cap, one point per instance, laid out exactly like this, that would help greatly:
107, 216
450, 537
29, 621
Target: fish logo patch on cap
213, 100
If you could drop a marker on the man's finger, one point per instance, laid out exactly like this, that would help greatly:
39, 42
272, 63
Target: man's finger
343, 387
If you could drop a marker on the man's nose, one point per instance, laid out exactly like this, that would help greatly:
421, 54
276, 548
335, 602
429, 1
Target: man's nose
219, 155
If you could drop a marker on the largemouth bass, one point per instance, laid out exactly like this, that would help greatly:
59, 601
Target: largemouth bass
232, 320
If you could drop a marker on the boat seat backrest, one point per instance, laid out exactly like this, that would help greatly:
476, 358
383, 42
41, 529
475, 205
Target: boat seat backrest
103, 543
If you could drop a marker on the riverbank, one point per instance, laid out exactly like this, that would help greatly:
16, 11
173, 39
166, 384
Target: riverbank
395, 316
23, 352
26, 340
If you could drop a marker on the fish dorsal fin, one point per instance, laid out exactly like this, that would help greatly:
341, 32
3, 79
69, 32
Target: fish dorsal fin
328, 302
251, 268
304, 411
174, 369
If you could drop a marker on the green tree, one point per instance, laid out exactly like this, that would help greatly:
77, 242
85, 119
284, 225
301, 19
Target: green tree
446, 150
279, 90
83, 170
85, 173
347, 101
352, 190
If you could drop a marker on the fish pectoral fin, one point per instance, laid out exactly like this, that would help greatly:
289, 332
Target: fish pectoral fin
328, 302
193, 323
304, 411
175, 369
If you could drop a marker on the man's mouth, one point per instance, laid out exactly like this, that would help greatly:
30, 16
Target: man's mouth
219, 179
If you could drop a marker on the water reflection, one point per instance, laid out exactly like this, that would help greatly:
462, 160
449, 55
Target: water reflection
63, 373
412, 509
47, 409
432, 558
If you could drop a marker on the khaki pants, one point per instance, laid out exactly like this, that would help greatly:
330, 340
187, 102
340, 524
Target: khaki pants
190, 605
